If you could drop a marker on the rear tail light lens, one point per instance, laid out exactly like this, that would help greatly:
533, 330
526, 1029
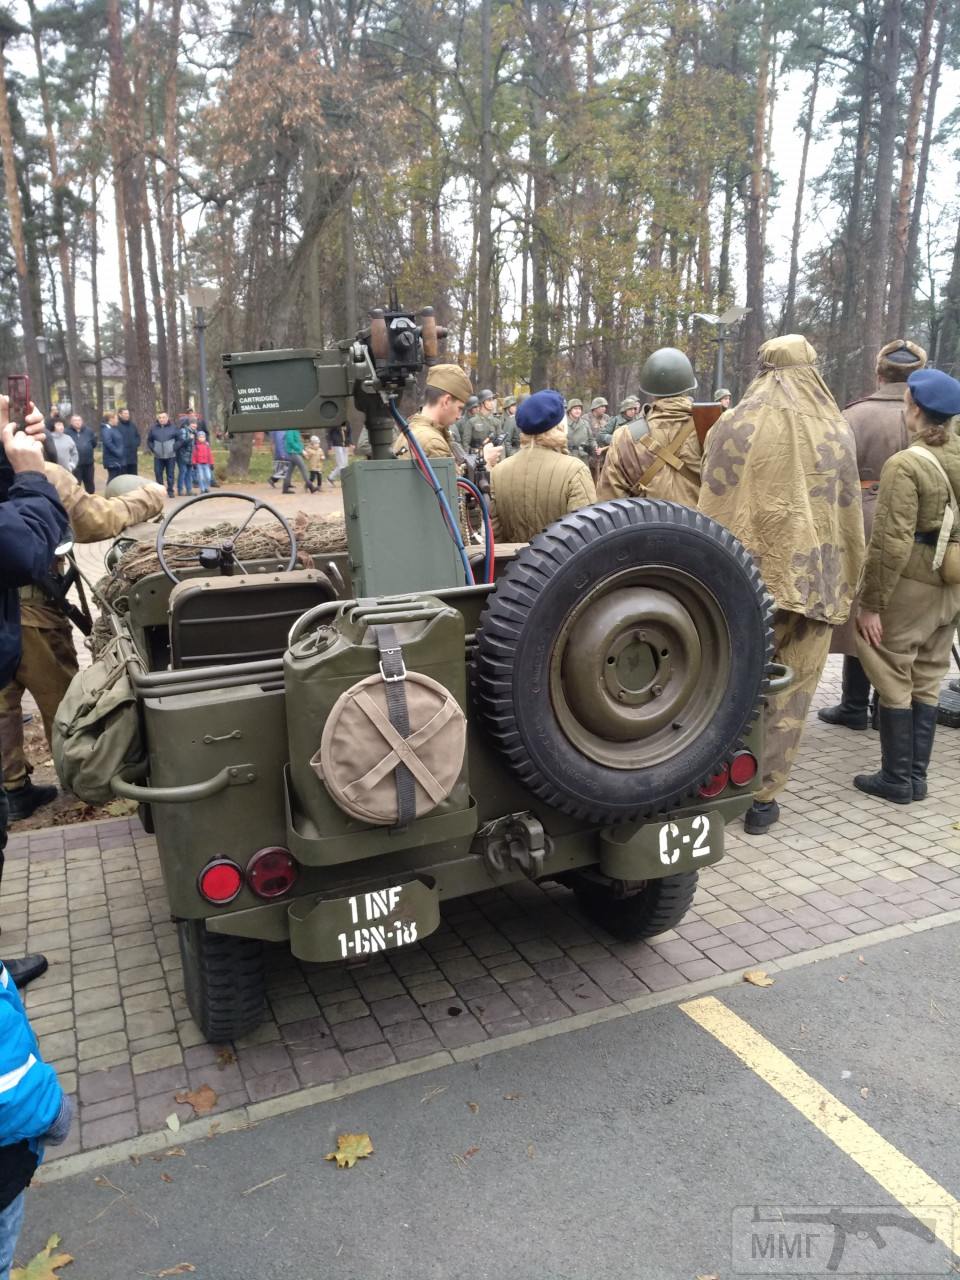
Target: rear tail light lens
743, 768
272, 873
220, 881
713, 786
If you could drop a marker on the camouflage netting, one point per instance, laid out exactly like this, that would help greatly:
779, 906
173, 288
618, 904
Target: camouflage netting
317, 537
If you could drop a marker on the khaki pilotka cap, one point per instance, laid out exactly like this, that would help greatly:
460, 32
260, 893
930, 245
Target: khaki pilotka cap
450, 378
901, 355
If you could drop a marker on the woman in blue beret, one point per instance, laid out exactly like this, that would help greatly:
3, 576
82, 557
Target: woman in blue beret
908, 607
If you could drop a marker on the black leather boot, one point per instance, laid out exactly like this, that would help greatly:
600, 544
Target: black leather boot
853, 711
26, 800
894, 782
25, 969
924, 728
760, 817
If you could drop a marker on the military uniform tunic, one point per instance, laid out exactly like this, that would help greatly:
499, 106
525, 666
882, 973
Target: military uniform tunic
580, 440
879, 431
536, 486
636, 447
49, 661
918, 610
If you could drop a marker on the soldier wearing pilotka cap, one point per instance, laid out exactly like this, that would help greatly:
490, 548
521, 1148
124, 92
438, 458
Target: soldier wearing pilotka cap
879, 430
447, 391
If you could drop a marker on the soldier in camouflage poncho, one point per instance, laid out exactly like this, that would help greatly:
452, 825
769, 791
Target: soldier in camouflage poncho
780, 471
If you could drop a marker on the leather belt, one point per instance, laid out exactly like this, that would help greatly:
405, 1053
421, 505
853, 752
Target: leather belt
927, 539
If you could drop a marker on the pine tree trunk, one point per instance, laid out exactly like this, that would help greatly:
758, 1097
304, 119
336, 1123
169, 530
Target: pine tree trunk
788, 321
901, 237
485, 199
166, 210
881, 215
913, 237
752, 329
948, 339
140, 387
156, 295
95, 294
17, 240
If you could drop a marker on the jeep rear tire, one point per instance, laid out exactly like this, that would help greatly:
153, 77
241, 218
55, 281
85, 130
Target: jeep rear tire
223, 978
660, 905
622, 657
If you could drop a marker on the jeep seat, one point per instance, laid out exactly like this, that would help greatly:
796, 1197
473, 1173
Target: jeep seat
240, 619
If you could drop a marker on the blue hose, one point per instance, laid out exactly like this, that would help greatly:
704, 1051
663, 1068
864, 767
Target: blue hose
487, 526
437, 489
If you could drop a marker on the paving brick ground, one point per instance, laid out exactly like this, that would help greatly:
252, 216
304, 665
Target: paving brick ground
111, 1012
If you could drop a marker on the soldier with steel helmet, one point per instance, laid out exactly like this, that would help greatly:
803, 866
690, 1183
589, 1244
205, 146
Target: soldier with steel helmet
482, 424
657, 453
723, 396
599, 418
511, 432
580, 439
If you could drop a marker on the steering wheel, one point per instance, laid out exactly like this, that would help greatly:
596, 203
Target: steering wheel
221, 555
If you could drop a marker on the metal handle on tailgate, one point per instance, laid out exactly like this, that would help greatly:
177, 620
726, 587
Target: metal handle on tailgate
233, 775
781, 677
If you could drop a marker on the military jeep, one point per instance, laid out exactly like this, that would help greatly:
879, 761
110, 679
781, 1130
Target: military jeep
332, 750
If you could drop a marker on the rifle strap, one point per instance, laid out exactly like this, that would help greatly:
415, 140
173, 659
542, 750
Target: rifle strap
667, 455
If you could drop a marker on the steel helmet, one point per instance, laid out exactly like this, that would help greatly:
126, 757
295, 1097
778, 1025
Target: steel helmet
574, 404
722, 392
487, 395
510, 402
120, 485
667, 372
473, 403
631, 402
598, 403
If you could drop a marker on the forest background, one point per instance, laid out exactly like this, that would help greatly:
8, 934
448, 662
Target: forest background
568, 182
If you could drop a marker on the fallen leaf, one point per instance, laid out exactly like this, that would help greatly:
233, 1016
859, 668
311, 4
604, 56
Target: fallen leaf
203, 1100
758, 978
864, 1091
175, 1151
511, 1097
531, 1151
45, 1265
173, 1122
181, 1269
861, 960
165, 1177
225, 1057
473, 1107
470, 1151
135, 1160
351, 1147
712, 1276
842, 977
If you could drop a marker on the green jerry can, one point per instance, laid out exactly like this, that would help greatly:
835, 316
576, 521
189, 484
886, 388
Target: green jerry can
340, 780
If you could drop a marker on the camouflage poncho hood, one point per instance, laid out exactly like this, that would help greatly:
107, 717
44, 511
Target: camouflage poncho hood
780, 471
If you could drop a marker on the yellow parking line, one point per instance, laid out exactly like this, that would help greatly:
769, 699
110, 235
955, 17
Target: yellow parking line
904, 1180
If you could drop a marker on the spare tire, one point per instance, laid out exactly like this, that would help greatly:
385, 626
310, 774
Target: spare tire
622, 657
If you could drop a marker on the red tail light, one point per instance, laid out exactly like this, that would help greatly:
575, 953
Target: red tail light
272, 873
713, 786
220, 881
743, 768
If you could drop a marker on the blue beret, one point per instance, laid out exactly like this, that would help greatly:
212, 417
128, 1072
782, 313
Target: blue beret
540, 412
935, 391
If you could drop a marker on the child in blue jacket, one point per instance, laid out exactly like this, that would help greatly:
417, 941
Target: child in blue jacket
34, 1111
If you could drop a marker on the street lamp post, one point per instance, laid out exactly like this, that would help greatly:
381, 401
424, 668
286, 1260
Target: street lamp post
42, 352
730, 318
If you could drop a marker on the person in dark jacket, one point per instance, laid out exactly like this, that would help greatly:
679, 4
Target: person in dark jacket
131, 438
277, 439
32, 525
186, 439
162, 443
85, 438
114, 447
34, 1112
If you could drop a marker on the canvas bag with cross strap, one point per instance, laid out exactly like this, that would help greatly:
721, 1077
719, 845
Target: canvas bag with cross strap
946, 558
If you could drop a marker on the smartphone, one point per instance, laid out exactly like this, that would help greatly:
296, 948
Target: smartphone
18, 393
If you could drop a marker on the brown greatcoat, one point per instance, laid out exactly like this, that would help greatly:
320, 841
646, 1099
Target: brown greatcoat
879, 431
536, 486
